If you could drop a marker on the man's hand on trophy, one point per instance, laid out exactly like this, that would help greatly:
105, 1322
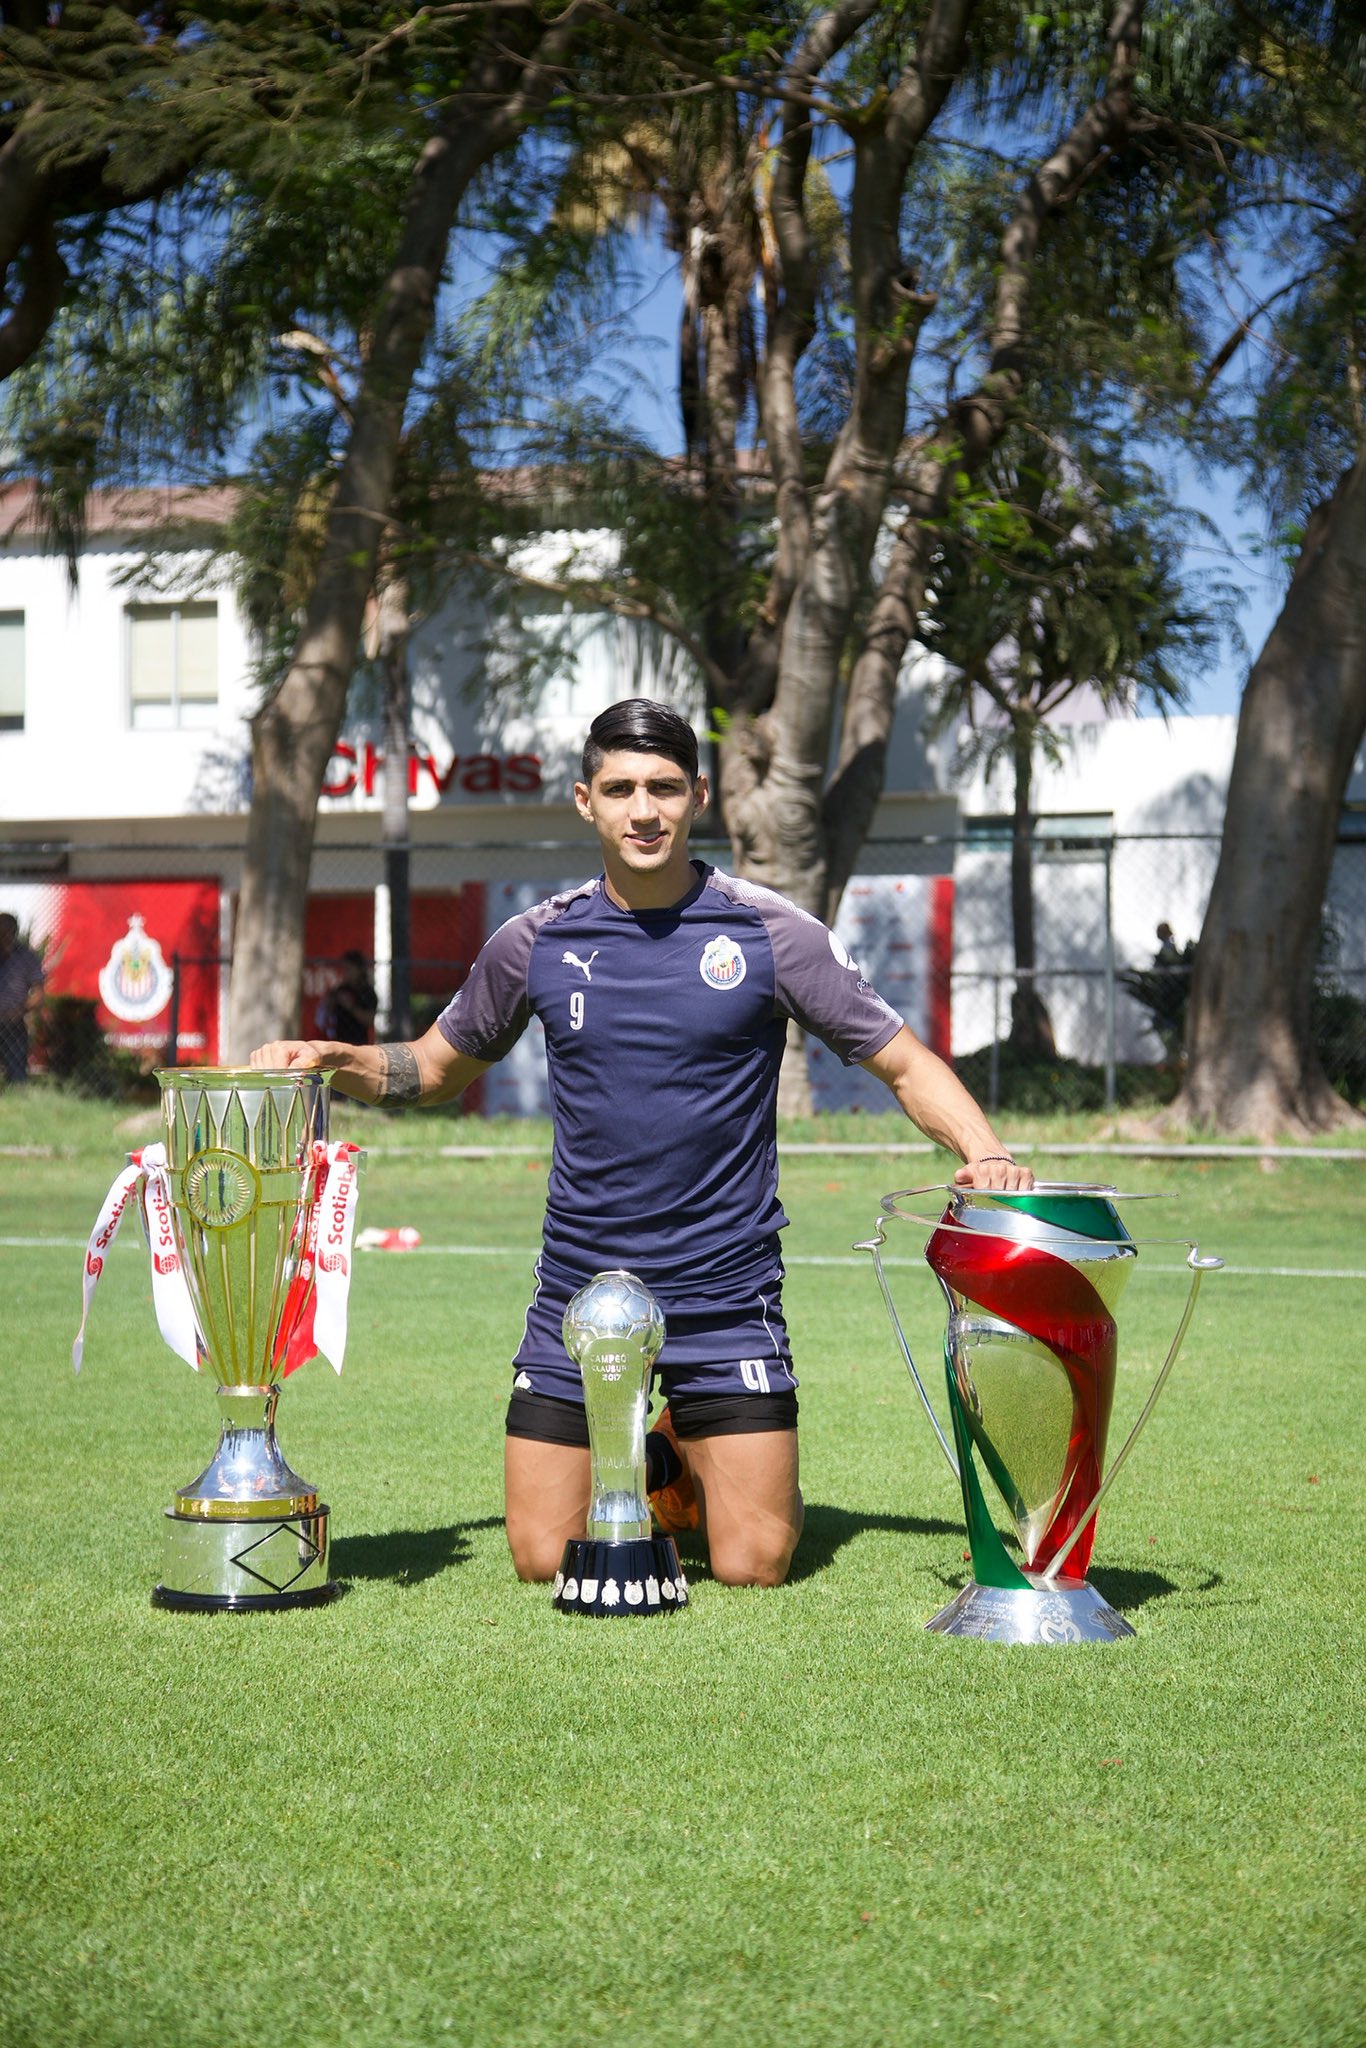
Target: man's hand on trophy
995, 1170
290, 1052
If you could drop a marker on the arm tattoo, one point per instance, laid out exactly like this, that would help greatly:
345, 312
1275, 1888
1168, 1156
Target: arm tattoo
402, 1082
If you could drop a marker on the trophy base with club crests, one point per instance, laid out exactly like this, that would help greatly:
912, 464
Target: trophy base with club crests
1068, 1611
249, 1533
637, 1577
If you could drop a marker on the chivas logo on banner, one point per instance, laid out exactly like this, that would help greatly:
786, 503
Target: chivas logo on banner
135, 981
1033, 1282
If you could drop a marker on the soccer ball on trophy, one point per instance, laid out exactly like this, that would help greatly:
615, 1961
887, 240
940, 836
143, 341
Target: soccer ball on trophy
611, 1322
614, 1331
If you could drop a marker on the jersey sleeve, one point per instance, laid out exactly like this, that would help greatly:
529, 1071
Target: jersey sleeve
818, 983
487, 1015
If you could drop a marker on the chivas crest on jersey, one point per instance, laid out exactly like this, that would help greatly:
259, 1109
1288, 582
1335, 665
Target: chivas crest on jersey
722, 964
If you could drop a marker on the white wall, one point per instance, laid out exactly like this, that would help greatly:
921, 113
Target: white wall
78, 756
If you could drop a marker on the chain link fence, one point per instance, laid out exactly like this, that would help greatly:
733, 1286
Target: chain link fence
134, 943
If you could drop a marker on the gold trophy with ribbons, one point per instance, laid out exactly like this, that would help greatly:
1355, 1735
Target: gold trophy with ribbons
250, 1214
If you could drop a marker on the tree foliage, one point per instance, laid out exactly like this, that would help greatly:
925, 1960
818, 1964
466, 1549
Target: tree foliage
951, 270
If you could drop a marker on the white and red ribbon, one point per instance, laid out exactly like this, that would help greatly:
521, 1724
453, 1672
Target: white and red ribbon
294, 1343
314, 1315
336, 1223
144, 1180
170, 1293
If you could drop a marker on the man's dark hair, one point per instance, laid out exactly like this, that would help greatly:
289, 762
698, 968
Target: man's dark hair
640, 726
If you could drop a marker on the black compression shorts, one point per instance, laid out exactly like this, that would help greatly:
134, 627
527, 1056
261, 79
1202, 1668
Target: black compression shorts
549, 1421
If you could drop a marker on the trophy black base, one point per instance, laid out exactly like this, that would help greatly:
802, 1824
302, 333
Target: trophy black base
244, 1603
1069, 1611
247, 1564
635, 1578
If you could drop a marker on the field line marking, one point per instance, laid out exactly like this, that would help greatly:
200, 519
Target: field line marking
847, 1259
852, 1148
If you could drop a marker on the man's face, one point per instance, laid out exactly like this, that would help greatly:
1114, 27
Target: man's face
642, 807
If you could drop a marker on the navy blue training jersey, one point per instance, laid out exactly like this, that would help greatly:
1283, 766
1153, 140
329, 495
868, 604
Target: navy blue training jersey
664, 1033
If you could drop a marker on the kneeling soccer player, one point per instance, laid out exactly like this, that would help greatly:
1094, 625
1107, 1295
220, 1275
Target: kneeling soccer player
665, 988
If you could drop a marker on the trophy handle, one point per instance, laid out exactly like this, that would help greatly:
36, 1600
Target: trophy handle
874, 1245
1198, 1268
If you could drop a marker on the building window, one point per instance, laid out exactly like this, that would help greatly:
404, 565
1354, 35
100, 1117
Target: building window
11, 671
1058, 835
172, 664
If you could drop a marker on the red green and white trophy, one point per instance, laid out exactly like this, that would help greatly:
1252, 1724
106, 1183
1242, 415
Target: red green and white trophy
1033, 1283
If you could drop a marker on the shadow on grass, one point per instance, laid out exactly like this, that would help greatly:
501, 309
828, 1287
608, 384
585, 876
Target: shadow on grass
1128, 1590
1125, 1590
408, 1556
825, 1532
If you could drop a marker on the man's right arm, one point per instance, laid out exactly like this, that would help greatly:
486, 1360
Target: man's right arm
421, 1070
490, 1010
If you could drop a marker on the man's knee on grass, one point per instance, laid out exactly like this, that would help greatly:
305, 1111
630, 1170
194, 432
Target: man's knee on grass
751, 1503
752, 1557
536, 1554
547, 1490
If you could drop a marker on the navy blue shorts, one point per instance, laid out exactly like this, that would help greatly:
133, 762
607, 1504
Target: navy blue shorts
736, 1347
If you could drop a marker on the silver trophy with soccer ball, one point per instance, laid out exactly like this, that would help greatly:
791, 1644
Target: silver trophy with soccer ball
614, 1332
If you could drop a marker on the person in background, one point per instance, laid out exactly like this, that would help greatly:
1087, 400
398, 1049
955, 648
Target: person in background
1172, 964
347, 1011
21, 991
1168, 952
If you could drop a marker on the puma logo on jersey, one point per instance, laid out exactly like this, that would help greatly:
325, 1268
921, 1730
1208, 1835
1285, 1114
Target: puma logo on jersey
585, 966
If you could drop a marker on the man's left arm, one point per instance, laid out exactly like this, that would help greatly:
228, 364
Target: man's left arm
936, 1101
821, 986
36, 986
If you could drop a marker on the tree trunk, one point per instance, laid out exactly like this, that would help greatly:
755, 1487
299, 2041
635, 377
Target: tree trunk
855, 788
1252, 1065
776, 761
776, 751
395, 602
959, 447
1031, 1031
294, 732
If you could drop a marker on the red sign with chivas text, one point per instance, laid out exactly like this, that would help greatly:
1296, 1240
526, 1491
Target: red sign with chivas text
357, 769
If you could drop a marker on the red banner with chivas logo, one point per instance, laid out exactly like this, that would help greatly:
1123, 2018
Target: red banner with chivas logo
117, 943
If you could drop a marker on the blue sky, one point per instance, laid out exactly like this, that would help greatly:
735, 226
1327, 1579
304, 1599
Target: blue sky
644, 352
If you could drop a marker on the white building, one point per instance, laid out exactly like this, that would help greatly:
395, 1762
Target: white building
125, 760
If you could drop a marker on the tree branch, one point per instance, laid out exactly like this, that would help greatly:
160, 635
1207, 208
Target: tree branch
964, 439
790, 332
22, 333
756, 84
925, 84
1225, 353
599, 596
981, 416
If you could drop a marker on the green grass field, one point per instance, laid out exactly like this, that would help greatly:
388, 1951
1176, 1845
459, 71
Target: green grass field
435, 1811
